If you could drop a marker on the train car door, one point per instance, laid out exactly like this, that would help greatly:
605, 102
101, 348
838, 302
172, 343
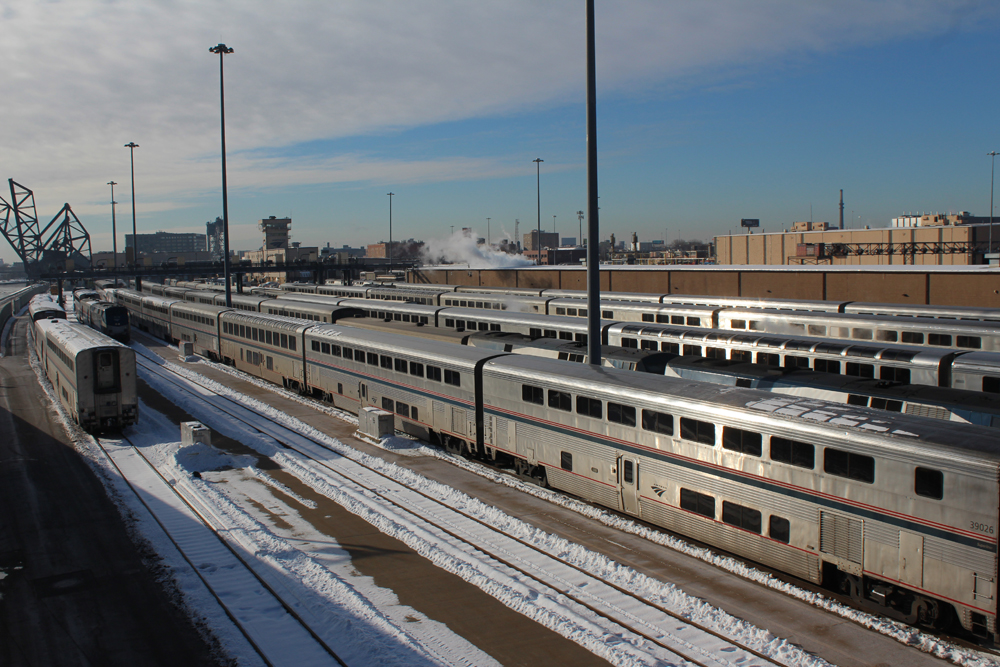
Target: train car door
628, 475
106, 371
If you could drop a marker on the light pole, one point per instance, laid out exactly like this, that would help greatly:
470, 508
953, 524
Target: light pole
538, 182
222, 50
131, 146
114, 235
487, 232
579, 217
554, 231
391, 194
993, 158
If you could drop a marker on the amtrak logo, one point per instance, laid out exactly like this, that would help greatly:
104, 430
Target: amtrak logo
659, 490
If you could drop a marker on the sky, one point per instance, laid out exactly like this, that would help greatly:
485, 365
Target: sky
707, 113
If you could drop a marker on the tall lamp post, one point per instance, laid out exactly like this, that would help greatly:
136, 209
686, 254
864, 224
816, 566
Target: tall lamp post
391, 195
131, 146
114, 235
487, 232
554, 231
593, 260
993, 158
538, 182
579, 217
222, 50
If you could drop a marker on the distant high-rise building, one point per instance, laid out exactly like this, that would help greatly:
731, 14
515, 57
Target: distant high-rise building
167, 242
548, 240
216, 239
276, 232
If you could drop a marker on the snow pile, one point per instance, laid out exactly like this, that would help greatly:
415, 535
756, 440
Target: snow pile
200, 457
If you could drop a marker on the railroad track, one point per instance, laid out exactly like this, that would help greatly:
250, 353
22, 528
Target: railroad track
621, 623
272, 621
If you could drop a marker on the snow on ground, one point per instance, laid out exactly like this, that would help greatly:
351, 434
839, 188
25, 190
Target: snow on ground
660, 593
901, 632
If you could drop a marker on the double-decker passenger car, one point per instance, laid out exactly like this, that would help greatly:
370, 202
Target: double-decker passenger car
92, 374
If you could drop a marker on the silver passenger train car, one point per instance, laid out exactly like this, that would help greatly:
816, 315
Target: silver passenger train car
92, 374
896, 510
44, 307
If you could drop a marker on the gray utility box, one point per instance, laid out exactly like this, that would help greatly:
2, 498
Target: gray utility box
185, 349
375, 423
192, 432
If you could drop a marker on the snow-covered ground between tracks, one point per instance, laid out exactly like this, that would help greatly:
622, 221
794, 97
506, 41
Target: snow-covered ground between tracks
901, 632
662, 594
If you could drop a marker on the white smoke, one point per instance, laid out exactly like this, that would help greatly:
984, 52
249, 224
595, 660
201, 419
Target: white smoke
462, 249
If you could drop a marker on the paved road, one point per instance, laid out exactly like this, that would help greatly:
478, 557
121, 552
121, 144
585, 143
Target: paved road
76, 590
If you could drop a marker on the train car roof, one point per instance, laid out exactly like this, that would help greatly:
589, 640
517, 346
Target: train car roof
198, 307
851, 319
278, 321
76, 338
396, 343
977, 445
958, 312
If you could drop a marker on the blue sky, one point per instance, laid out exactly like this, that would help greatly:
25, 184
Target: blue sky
708, 112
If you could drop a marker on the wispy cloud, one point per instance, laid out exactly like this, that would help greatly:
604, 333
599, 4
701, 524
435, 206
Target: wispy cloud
83, 78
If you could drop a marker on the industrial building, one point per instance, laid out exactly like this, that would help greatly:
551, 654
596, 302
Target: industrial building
922, 240
547, 240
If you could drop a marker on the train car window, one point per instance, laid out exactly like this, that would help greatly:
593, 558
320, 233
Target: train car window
453, 378
792, 361
648, 317
494, 327
738, 440
413, 413
580, 338
738, 324
817, 330
694, 321
549, 333
284, 340
449, 322
939, 339
565, 335
892, 374
315, 346
387, 404
797, 328
484, 326
769, 359
359, 355
715, 352
463, 304
886, 404
532, 394
325, 348
692, 350
697, 431
847, 464
630, 342
677, 319
657, 422
670, 347
862, 334
647, 345
621, 414
403, 409
973, 342
928, 483
566, 461
860, 370
479, 304
589, 407
778, 529
754, 325
741, 355
699, 503
242, 331
291, 342
417, 369
800, 454
372, 358
826, 366
912, 337
663, 319
434, 373
335, 350
857, 399
741, 517
608, 314
560, 400
400, 365
534, 333
887, 336
991, 385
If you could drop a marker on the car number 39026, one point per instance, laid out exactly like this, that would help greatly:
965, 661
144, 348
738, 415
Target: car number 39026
981, 527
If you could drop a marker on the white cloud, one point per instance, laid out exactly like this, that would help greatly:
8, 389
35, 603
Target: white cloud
83, 78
